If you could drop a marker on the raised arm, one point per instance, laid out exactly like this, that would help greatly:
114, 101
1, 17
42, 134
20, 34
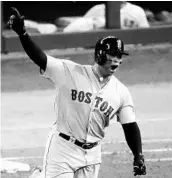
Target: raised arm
16, 23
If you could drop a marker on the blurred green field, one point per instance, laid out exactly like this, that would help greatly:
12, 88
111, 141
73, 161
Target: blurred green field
27, 113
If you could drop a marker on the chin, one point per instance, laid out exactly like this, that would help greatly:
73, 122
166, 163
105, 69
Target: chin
110, 74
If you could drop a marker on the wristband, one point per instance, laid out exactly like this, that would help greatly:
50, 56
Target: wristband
23, 34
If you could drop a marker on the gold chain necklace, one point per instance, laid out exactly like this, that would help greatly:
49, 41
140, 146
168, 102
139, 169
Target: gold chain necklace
102, 81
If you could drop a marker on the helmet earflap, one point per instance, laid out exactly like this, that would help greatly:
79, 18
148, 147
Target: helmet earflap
100, 57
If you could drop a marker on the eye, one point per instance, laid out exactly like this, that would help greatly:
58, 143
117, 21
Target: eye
109, 59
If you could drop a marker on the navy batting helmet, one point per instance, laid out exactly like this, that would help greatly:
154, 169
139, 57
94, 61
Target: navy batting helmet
108, 45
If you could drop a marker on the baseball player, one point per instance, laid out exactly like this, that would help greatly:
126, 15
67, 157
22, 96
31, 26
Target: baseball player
88, 97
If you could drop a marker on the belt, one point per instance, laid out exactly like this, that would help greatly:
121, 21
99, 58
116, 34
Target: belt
77, 142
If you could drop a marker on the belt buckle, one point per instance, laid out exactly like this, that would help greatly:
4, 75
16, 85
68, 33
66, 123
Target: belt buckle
87, 146
72, 139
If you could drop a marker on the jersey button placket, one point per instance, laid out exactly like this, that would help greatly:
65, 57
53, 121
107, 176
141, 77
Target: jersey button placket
89, 122
92, 109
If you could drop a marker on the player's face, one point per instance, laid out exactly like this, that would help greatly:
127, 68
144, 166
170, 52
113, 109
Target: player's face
112, 64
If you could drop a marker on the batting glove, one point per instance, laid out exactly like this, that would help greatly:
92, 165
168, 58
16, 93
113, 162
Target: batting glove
139, 167
16, 22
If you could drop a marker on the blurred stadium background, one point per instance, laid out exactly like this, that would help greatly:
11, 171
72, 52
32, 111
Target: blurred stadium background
27, 99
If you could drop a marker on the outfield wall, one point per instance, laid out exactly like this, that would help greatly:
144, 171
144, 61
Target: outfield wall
158, 34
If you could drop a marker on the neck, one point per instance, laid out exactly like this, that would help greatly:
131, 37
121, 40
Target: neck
99, 72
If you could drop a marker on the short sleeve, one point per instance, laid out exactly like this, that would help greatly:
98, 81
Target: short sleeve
54, 71
126, 113
126, 98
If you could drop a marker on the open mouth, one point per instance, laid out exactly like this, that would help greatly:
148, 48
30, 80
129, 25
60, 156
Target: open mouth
113, 67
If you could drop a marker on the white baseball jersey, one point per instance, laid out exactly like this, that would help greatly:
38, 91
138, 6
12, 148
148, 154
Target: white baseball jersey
83, 107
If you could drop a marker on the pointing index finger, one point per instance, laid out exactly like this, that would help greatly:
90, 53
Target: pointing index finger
15, 11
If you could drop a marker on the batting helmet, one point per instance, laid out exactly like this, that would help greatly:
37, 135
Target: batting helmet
108, 45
